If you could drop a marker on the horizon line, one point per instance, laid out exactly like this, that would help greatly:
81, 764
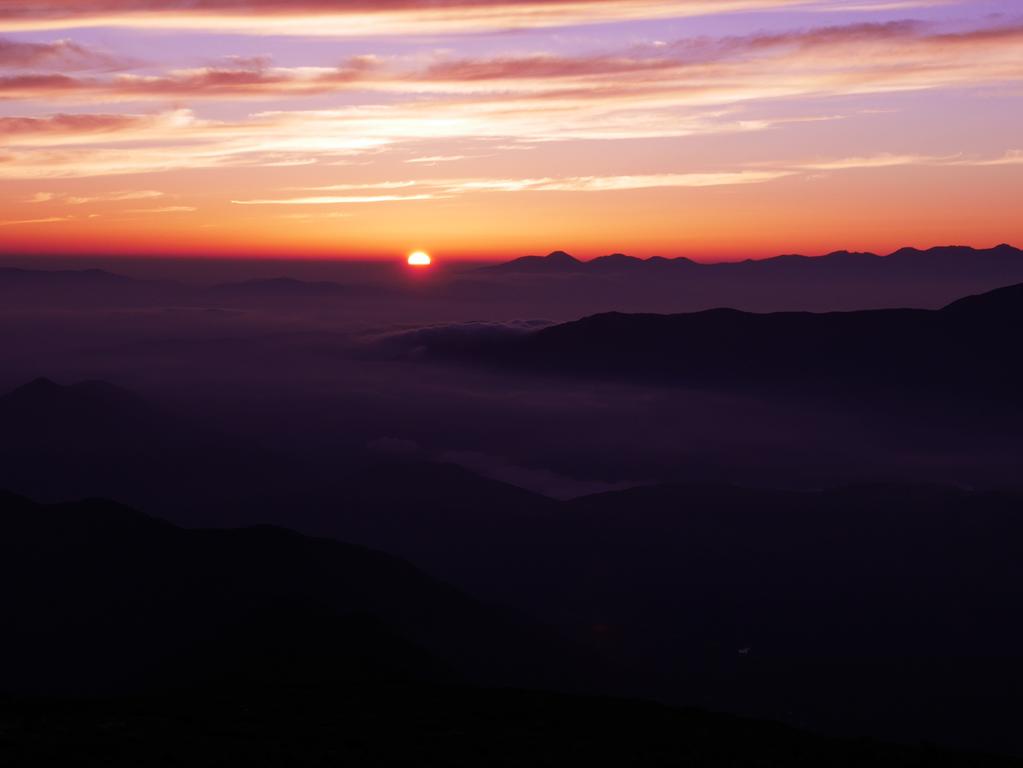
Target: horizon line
465, 258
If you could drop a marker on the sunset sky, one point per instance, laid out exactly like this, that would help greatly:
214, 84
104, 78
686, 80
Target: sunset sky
715, 129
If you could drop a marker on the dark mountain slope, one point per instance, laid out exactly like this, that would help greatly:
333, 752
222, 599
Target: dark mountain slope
1004, 304
96, 439
958, 348
98, 597
800, 606
812, 604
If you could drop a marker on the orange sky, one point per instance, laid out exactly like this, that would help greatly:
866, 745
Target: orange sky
485, 130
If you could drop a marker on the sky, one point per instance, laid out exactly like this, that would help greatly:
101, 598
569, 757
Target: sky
480, 129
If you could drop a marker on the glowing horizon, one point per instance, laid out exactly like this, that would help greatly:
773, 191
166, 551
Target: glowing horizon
488, 130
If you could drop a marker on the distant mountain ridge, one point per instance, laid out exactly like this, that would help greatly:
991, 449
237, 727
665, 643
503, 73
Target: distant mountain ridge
13, 274
561, 262
100, 287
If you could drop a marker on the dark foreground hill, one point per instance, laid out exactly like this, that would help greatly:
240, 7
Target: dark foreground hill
384, 725
100, 598
884, 609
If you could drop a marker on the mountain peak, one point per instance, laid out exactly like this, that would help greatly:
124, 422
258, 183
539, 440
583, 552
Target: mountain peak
43, 393
561, 256
556, 261
41, 385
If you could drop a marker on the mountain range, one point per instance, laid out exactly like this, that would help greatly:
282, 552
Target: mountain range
839, 281
559, 286
1001, 259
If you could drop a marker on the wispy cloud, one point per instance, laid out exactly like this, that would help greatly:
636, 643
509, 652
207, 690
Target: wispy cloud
832, 60
435, 159
883, 160
338, 200
115, 197
165, 209
353, 18
890, 160
242, 79
317, 216
60, 55
47, 220
617, 183
569, 184
691, 87
445, 188
1012, 157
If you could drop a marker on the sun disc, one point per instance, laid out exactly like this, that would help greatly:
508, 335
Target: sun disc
419, 259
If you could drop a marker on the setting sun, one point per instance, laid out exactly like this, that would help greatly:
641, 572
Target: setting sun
419, 259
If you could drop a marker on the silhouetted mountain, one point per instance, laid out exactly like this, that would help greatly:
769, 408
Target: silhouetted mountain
556, 263
72, 439
90, 424
87, 287
1002, 305
560, 286
43, 404
95, 287
11, 277
960, 348
98, 597
96, 439
947, 258
618, 262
